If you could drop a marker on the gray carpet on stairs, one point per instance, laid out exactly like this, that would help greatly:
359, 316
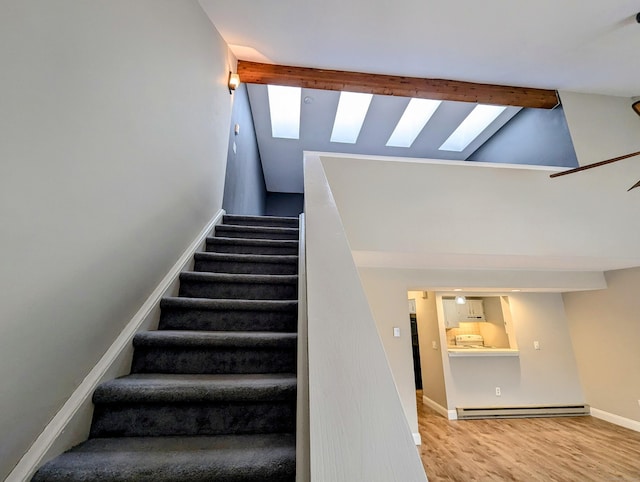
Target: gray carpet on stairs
212, 393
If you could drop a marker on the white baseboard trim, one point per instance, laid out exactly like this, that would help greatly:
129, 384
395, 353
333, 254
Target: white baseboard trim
32, 458
616, 419
417, 438
449, 414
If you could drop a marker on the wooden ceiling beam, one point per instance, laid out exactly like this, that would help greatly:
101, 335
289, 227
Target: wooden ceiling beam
438, 89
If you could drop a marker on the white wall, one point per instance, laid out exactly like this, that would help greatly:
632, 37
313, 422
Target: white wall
605, 331
602, 127
114, 118
453, 215
545, 376
358, 430
548, 375
433, 386
388, 303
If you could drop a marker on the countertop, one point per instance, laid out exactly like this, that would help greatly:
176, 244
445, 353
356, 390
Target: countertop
455, 350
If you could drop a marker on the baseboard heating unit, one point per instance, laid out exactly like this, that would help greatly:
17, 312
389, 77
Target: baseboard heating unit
523, 411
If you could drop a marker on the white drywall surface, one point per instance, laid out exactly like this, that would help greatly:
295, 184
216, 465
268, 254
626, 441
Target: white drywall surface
114, 118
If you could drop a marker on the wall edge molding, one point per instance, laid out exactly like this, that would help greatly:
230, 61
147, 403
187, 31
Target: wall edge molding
31, 460
437, 407
616, 419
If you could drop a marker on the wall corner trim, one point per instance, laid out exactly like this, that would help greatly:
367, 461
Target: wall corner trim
616, 419
31, 460
437, 407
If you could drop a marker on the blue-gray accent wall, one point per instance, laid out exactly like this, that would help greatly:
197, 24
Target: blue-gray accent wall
244, 187
284, 204
533, 136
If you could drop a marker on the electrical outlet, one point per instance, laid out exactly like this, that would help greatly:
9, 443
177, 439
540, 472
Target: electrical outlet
536, 345
396, 332
434, 345
498, 392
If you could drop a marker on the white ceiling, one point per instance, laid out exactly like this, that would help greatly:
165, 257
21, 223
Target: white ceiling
566, 45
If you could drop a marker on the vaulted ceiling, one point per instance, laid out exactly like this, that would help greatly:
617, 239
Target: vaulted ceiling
570, 45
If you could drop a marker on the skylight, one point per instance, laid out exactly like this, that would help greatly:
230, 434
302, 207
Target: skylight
284, 106
415, 117
352, 109
477, 121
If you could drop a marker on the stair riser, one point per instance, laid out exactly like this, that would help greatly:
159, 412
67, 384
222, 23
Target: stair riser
238, 232
152, 420
239, 248
238, 290
264, 222
226, 320
251, 267
196, 360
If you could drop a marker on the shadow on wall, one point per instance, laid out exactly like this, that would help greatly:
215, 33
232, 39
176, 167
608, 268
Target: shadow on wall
284, 204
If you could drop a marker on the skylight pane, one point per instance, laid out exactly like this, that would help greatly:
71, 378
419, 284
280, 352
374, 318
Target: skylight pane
284, 106
415, 117
477, 121
352, 109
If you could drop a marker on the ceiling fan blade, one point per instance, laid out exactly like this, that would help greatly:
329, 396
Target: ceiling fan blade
637, 184
595, 164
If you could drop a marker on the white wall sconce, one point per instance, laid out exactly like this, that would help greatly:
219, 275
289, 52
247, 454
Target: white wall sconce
234, 82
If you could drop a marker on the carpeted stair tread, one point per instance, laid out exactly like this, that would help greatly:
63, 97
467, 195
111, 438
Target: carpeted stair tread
213, 339
256, 232
247, 258
180, 302
229, 458
280, 279
162, 388
260, 220
251, 246
198, 284
182, 313
246, 263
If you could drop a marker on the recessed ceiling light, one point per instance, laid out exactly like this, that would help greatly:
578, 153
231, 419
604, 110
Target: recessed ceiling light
477, 121
352, 109
413, 120
515, 291
284, 107
457, 289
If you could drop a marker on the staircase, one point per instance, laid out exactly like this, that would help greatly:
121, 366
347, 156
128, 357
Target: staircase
212, 393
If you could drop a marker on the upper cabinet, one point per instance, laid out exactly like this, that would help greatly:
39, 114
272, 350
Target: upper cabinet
473, 310
451, 315
454, 313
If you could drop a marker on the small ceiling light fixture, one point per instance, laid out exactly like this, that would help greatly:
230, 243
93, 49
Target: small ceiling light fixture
461, 300
515, 291
234, 82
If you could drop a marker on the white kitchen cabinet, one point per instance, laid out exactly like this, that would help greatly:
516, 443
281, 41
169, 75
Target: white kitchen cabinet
473, 310
451, 313
454, 313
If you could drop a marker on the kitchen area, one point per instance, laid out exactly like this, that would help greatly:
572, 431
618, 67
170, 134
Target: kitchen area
478, 325
494, 349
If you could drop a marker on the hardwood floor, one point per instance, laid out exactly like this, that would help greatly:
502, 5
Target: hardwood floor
563, 449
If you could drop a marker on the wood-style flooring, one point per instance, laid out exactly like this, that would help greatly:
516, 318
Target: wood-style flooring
534, 449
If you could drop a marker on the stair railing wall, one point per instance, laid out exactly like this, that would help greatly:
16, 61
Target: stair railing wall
302, 419
358, 429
